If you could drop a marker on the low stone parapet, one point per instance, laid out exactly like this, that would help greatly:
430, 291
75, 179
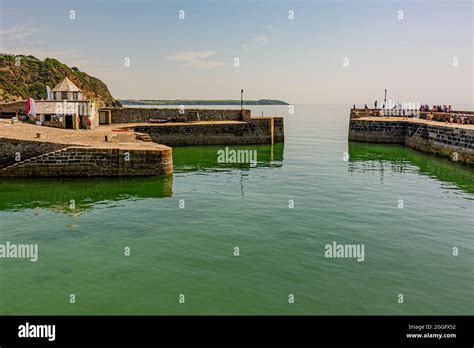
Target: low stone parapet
135, 115
258, 130
94, 162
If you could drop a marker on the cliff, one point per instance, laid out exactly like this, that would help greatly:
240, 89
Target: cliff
32, 76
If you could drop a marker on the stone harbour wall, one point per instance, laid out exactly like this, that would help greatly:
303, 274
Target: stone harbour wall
97, 162
457, 143
138, 115
279, 130
9, 148
377, 131
424, 115
255, 131
16, 106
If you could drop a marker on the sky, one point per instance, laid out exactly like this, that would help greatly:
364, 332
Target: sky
303, 52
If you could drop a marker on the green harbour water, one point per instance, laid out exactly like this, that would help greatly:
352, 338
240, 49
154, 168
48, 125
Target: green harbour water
190, 250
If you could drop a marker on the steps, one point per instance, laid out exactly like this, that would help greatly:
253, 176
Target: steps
33, 159
80, 161
143, 137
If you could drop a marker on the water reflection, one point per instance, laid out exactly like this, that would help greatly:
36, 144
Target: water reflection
206, 158
365, 157
74, 196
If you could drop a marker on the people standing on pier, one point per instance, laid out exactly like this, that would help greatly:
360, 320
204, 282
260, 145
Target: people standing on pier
375, 105
366, 107
425, 107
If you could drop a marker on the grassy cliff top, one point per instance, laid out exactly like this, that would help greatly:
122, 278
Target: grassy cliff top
32, 76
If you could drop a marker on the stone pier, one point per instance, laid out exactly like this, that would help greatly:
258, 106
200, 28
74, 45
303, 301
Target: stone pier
427, 132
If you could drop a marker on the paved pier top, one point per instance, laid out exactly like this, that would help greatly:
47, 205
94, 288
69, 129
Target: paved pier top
433, 115
417, 120
142, 124
94, 138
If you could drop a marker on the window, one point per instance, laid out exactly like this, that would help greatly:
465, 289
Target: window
64, 95
74, 95
47, 118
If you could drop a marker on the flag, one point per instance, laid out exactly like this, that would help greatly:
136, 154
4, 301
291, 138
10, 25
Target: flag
30, 107
48, 93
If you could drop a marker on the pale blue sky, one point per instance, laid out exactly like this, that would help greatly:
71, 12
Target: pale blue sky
299, 60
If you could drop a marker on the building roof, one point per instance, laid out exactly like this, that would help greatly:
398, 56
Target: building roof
66, 85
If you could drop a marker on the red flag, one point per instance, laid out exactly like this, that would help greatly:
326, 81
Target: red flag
28, 106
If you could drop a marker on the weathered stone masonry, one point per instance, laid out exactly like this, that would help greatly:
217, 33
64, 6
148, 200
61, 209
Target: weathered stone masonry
25, 148
455, 143
254, 131
138, 115
96, 162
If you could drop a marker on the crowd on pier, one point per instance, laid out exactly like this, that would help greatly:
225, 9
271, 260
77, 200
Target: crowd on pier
453, 118
439, 113
436, 108
458, 118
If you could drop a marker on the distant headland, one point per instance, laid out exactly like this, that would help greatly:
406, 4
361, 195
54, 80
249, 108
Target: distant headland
201, 102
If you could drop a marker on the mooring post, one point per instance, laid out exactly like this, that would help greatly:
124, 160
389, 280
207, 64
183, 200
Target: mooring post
242, 104
272, 129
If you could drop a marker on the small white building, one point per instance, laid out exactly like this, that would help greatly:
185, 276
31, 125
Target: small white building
66, 90
67, 109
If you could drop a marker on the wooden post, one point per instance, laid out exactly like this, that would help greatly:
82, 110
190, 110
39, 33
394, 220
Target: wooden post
272, 129
242, 104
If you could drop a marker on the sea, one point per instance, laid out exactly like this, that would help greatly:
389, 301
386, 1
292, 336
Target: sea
316, 225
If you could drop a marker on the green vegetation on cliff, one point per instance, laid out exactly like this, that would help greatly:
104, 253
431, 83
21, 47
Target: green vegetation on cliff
32, 75
200, 102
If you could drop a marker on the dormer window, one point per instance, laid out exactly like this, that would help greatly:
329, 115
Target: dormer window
63, 95
74, 95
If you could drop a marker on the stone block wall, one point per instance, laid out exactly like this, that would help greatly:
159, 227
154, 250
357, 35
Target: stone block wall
19, 106
255, 131
442, 140
138, 115
9, 148
97, 162
455, 143
279, 130
377, 131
